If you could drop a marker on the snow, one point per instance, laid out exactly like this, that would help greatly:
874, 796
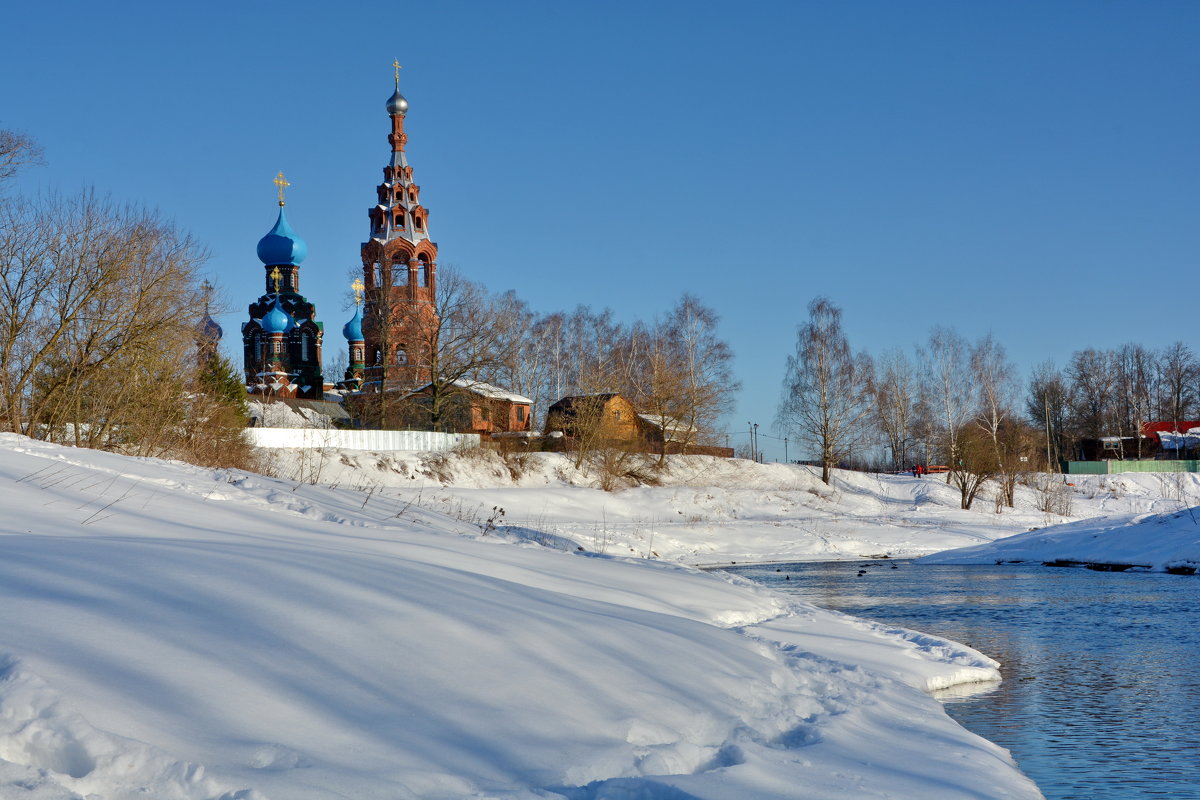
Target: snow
1158, 542
174, 632
712, 511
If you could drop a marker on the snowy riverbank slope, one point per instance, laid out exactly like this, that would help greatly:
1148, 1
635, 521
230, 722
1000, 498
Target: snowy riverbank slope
177, 633
712, 510
1159, 542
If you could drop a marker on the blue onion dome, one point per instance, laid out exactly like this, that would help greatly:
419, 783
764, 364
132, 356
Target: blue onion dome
396, 104
352, 330
209, 328
277, 320
282, 245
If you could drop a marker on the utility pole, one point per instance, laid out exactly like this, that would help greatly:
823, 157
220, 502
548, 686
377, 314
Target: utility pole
785, 458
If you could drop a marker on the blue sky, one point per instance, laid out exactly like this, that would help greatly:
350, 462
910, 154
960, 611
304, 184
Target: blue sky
1028, 169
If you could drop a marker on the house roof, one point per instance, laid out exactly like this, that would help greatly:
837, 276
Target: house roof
569, 403
672, 428
335, 411
484, 390
1182, 426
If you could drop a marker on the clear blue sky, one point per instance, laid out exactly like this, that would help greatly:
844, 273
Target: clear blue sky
1029, 169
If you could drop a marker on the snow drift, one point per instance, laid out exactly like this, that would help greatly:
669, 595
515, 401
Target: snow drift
173, 632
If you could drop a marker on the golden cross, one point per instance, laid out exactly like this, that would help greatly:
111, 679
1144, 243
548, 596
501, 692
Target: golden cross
357, 286
396, 64
280, 182
276, 277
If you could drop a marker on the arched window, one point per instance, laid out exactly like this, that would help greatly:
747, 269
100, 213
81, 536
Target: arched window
417, 223
400, 273
378, 269
399, 219
423, 270
378, 355
401, 355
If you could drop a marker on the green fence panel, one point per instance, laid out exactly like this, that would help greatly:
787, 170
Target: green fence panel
1110, 467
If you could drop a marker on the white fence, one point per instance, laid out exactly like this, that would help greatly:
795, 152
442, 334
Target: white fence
360, 440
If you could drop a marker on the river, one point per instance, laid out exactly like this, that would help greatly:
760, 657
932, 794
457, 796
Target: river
1101, 692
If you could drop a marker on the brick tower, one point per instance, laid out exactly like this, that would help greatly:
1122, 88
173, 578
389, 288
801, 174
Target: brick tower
399, 260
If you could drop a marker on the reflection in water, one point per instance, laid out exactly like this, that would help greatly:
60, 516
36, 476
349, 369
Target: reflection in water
1101, 687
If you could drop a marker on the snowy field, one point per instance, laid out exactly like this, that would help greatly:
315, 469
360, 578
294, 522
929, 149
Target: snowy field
711, 511
171, 632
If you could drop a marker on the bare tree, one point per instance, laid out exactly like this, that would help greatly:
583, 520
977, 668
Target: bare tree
92, 296
680, 373
995, 380
824, 387
1135, 373
464, 336
17, 150
949, 390
1047, 407
1179, 373
894, 393
953, 397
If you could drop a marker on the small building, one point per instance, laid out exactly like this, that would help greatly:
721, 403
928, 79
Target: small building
605, 417
610, 419
471, 406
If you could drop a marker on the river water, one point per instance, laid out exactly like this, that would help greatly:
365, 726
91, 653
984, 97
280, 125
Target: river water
1101, 691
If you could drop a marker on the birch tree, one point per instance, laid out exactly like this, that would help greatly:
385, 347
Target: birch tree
894, 393
824, 388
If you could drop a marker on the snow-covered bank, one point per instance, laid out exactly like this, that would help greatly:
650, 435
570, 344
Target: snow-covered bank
716, 511
1159, 542
173, 632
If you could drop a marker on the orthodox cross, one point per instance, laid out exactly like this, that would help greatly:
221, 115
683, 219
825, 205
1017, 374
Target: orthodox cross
280, 182
357, 286
276, 277
206, 289
396, 64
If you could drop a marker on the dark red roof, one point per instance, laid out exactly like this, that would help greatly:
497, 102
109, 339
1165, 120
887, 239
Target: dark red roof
1154, 428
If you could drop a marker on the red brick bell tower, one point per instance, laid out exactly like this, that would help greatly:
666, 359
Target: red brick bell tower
399, 271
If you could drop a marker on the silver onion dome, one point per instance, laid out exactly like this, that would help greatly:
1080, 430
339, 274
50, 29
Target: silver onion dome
396, 104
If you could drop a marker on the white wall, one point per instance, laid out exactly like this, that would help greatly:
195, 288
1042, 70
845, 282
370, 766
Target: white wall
360, 440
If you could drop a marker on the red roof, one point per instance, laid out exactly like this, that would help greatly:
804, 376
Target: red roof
1154, 428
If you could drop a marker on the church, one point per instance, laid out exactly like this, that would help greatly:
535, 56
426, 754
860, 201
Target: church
282, 341
392, 337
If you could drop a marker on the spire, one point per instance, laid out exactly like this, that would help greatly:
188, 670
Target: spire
398, 214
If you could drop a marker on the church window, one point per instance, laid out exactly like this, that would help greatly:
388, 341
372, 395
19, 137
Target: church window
399, 219
277, 347
303, 346
400, 273
378, 274
423, 271
378, 355
401, 356
417, 223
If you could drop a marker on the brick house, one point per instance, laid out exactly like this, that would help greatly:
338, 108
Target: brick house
483, 408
